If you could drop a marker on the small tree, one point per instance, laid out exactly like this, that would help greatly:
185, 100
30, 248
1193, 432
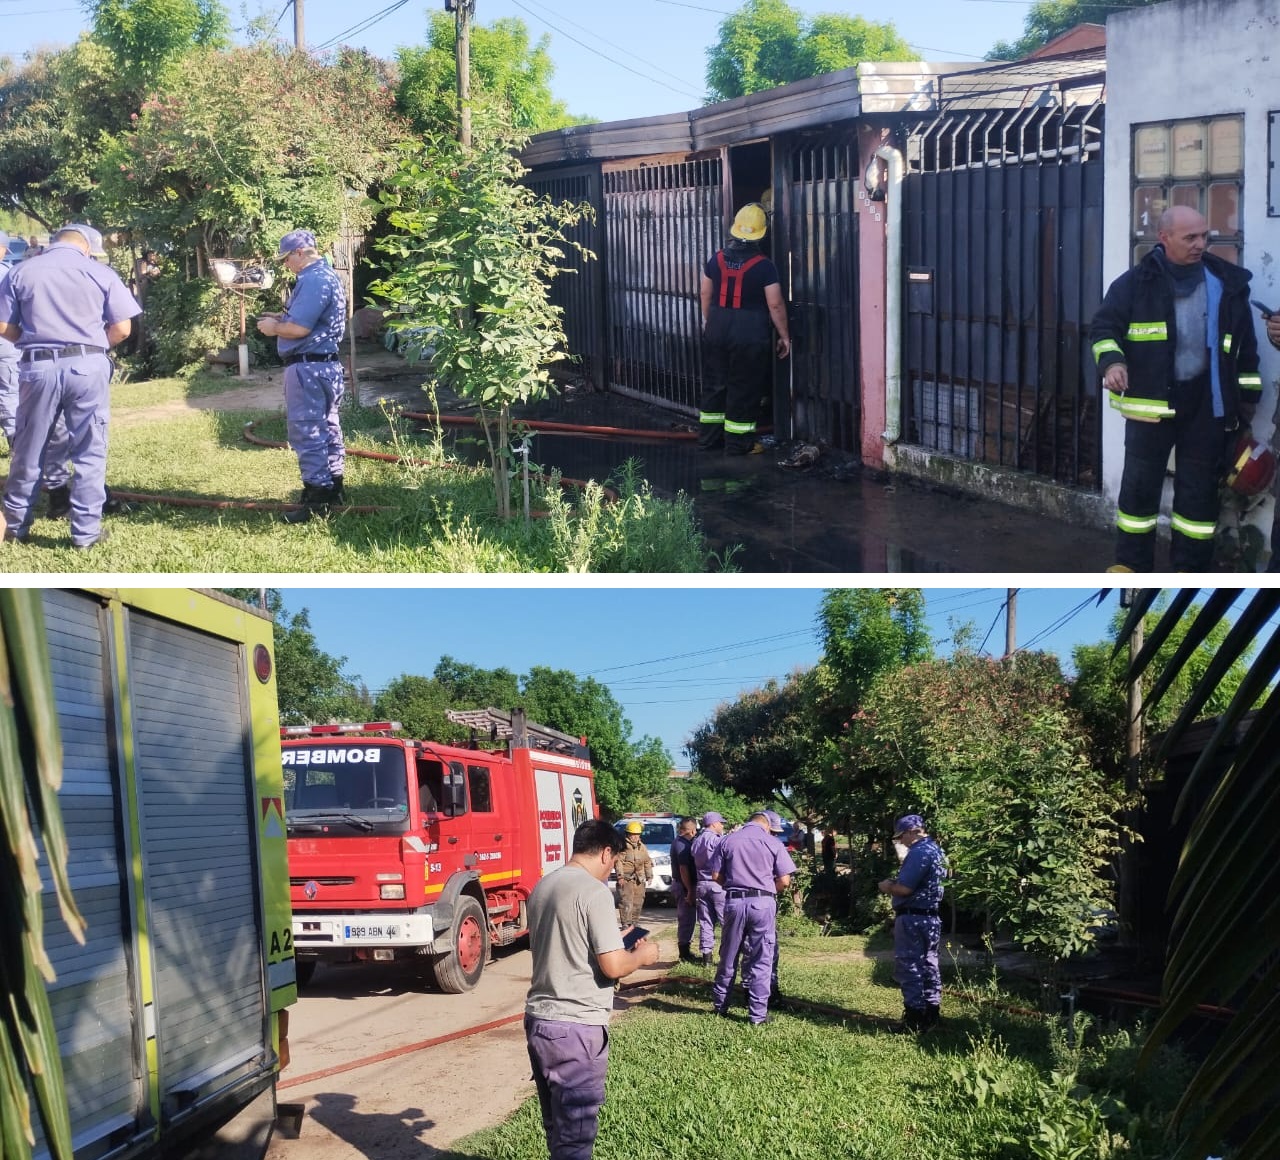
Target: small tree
473, 255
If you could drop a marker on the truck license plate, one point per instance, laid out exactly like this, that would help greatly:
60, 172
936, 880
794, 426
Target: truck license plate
370, 931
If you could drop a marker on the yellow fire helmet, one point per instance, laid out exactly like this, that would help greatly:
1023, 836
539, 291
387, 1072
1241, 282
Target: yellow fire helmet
750, 223
635, 827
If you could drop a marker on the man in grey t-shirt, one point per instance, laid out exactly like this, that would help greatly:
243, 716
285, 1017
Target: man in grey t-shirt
577, 954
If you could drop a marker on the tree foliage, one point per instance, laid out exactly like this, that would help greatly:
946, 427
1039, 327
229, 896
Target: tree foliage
471, 259
248, 144
1049, 18
508, 75
992, 754
1225, 944
147, 38
767, 43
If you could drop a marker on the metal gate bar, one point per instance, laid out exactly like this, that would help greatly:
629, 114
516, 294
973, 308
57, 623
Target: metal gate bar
821, 232
662, 222
1004, 210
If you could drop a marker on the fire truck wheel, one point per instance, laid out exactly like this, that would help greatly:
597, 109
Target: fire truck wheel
459, 968
304, 969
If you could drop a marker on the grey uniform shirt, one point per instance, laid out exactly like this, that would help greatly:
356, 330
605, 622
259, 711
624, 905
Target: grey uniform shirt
571, 920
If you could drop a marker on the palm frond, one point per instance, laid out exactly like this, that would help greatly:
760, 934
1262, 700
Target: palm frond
30, 774
1225, 941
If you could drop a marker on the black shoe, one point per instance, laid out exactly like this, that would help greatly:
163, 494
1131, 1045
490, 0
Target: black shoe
12, 537
339, 492
315, 502
101, 538
686, 956
932, 1017
761, 1022
912, 1021
58, 502
115, 507
706, 960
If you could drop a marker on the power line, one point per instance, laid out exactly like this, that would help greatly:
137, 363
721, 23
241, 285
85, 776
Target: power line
363, 26
610, 43
280, 17
1004, 603
1060, 623
604, 56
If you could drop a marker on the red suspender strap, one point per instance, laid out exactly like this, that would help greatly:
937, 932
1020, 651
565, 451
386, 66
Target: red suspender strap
735, 277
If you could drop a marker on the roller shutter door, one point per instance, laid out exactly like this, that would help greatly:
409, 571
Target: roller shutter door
191, 745
94, 997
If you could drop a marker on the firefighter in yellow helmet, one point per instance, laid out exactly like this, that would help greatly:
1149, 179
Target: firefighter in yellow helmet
742, 305
635, 872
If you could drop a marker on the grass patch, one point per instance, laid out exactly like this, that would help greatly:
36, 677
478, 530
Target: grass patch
440, 517
686, 1084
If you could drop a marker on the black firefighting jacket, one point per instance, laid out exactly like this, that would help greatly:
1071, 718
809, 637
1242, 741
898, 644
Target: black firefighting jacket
1135, 325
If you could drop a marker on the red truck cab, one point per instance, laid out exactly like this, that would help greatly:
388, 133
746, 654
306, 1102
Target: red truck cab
401, 847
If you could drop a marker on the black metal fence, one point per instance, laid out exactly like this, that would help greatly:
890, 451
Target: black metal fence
1003, 222
662, 222
820, 278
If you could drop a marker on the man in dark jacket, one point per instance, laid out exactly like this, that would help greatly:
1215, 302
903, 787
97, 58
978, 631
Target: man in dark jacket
1175, 346
741, 304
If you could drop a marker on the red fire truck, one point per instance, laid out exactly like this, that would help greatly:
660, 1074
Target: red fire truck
402, 848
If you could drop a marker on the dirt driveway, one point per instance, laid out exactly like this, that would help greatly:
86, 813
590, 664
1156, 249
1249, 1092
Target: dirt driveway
388, 1069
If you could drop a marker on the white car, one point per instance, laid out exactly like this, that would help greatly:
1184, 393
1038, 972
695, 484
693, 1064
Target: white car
658, 834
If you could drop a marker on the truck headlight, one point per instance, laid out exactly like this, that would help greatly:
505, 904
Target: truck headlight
390, 890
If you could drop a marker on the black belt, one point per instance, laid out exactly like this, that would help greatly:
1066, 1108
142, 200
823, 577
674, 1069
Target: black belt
744, 892
916, 910
290, 359
75, 350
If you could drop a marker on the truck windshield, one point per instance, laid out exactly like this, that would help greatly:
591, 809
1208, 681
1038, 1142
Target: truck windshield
360, 788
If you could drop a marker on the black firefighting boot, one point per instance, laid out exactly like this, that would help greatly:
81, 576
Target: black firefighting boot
912, 1021
58, 501
315, 502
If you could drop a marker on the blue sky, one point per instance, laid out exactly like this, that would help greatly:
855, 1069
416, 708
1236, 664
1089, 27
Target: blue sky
668, 654
614, 58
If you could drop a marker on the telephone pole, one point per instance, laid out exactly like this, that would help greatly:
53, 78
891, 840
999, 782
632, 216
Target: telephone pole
463, 11
1010, 623
299, 27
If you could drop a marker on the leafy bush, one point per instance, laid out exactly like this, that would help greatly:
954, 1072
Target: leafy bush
187, 320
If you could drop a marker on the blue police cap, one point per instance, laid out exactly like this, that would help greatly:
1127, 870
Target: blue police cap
711, 817
775, 822
90, 235
297, 240
908, 822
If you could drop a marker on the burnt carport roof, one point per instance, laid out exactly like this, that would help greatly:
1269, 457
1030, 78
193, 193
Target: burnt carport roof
821, 100
867, 89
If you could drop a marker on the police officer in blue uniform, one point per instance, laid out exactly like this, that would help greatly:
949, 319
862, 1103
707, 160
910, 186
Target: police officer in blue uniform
8, 363
753, 868
916, 894
308, 332
63, 311
684, 885
709, 894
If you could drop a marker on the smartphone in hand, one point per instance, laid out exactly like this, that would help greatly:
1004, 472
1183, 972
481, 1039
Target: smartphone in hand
1265, 311
633, 936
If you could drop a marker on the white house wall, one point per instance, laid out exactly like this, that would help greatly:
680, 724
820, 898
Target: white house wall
1185, 59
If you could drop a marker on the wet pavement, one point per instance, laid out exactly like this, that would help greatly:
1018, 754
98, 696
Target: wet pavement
829, 517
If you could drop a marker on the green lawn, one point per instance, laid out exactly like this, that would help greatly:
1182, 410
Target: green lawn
684, 1083
439, 518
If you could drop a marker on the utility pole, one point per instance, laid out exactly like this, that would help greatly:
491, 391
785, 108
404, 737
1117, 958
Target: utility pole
463, 11
299, 27
1010, 623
